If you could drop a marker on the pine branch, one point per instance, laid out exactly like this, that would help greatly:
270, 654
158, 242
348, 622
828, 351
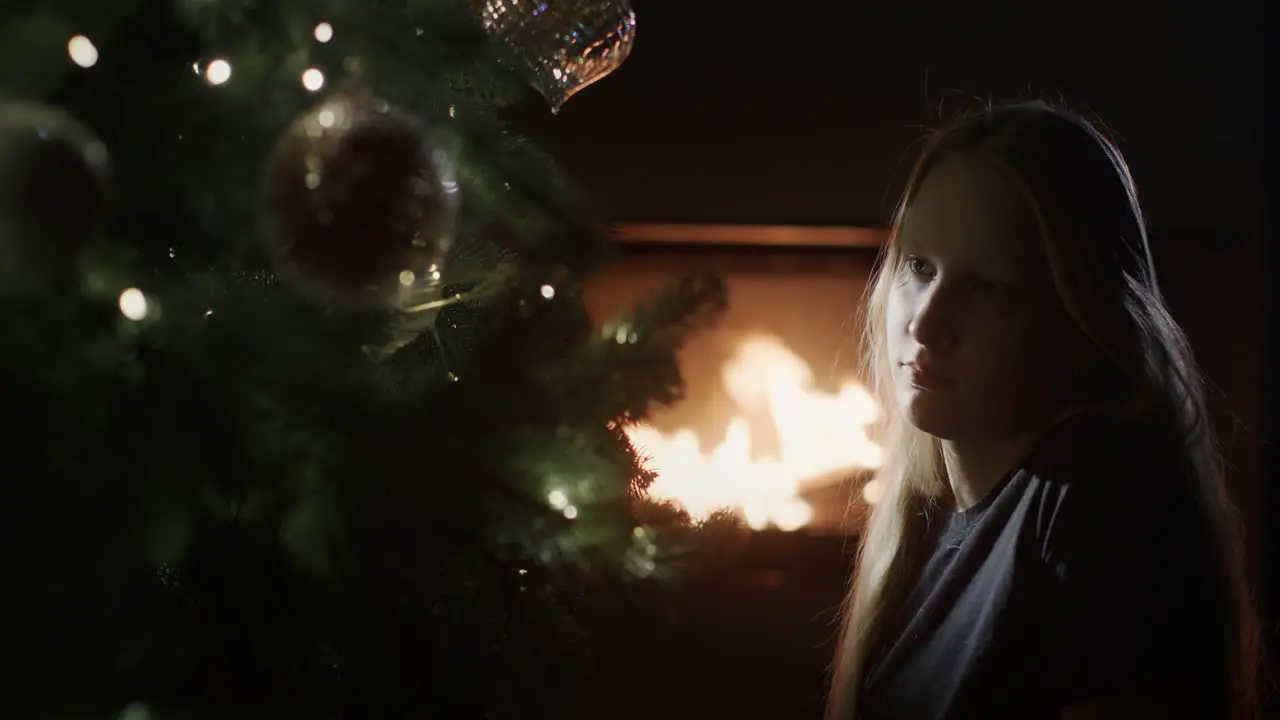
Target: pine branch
632, 364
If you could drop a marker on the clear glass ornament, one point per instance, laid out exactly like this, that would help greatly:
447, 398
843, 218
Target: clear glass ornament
566, 44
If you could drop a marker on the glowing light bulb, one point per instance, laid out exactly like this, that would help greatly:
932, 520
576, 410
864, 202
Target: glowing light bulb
548, 291
312, 79
218, 72
558, 499
324, 32
133, 304
82, 51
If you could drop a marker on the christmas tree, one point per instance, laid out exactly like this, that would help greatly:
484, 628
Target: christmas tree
303, 414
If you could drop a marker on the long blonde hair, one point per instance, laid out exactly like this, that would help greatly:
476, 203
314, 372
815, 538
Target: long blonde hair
1096, 242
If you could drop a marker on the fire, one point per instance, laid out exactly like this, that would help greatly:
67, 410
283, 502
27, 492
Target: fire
818, 434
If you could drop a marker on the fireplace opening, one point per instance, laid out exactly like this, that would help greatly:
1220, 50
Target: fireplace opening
777, 425
785, 437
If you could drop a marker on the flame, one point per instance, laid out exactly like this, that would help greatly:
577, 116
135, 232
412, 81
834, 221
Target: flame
818, 434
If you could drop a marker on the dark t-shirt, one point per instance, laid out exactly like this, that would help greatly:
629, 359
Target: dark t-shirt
1085, 574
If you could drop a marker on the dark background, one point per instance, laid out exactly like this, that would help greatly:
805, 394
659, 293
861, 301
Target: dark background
805, 113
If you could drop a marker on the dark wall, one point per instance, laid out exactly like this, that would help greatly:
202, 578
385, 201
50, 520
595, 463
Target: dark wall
1218, 294
805, 114
1263, 61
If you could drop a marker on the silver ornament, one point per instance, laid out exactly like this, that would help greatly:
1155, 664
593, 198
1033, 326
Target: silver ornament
566, 44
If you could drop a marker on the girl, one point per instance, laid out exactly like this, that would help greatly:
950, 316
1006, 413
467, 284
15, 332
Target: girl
1054, 540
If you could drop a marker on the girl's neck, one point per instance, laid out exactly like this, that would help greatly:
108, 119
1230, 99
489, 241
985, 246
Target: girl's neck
974, 468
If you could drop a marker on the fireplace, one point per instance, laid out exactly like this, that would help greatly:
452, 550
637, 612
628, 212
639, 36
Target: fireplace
776, 425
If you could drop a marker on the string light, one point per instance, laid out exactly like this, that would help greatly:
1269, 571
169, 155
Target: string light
218, 72
82, 51
548, 291
324, 32
623, 333
558, 499
312, 79
133, 304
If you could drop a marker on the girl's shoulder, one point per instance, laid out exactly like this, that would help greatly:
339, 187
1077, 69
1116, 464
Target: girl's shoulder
1102, 480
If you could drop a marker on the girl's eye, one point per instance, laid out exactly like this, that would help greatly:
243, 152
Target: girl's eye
918, 267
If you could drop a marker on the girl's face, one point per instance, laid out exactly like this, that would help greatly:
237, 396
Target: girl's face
982, 349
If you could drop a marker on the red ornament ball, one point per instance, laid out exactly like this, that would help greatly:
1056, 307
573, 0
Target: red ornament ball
360, 204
